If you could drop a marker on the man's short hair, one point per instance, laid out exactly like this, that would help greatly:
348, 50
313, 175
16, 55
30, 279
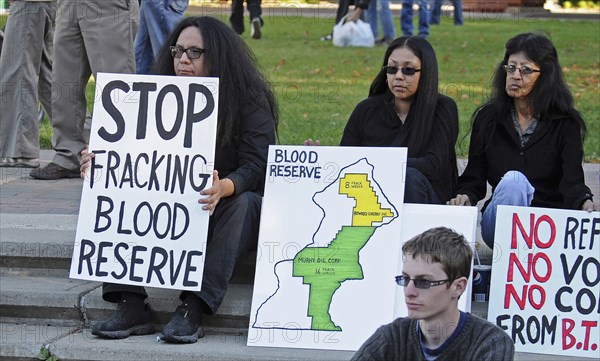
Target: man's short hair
442, 245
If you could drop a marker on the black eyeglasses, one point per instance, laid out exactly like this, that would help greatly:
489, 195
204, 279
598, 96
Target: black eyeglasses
525, 70
419, 283
406, 71
192, 53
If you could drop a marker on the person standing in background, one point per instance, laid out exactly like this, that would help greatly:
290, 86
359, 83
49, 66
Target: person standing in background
343, 9
436, 12
406, 17
381, 9
157, 20
92, 36
237, 17
25, 78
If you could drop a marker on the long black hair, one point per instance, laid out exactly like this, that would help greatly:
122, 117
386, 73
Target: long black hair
230, 59
550, 95
426, 97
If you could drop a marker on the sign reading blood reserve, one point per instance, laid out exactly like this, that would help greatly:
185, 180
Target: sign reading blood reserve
140, 222
545, 280
332, 225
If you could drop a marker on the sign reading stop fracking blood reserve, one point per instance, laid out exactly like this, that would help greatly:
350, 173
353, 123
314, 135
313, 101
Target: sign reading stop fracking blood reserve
545, 280
140, 222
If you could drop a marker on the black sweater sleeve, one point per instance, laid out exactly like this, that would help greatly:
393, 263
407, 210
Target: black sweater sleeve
472, 182
435, 162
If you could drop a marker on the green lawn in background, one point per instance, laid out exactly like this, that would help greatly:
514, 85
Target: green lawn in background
318, 85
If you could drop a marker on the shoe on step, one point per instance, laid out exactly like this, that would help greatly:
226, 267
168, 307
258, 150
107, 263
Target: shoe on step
128, 319
54, 171
185, 325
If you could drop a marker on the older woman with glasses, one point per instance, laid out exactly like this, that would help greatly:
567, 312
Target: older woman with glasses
527, 140
247, 123
404, 109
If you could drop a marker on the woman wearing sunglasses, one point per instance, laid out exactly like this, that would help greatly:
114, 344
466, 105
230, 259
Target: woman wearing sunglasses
247, 122
527, 140
404, 109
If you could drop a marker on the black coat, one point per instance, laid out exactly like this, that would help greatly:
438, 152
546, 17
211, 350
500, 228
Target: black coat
374, 123
551, 159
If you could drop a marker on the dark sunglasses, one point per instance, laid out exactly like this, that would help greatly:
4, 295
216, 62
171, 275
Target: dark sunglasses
406, 71
419, 283
525, 70
192, 53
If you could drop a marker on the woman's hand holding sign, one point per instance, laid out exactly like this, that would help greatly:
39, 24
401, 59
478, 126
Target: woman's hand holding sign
86, 159
220, 188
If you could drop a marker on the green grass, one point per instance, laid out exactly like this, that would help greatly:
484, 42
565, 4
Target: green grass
318, 85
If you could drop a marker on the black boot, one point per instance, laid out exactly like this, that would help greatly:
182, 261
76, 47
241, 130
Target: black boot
130, 318
185, 325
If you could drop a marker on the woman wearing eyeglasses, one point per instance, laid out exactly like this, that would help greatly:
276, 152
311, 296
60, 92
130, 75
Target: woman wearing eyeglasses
247, 123
527, 140
404, 109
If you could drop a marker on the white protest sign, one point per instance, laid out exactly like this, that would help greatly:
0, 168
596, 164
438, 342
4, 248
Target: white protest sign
418, 218
545, 280
328, 246
139, 221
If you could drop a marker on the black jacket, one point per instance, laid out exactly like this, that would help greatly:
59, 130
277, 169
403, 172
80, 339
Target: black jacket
374, 123
551, 159
245, 160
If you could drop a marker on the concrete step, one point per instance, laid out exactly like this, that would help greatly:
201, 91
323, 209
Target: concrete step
42, 245
23, 342
65, 302
36, 244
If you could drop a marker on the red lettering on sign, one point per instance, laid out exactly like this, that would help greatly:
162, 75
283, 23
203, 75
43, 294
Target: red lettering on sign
568, 340
532, 260
533, 235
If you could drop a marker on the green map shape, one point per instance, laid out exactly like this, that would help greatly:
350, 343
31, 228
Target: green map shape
325, 268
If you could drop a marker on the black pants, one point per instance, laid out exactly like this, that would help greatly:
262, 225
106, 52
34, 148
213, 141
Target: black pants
233, 229
237, 13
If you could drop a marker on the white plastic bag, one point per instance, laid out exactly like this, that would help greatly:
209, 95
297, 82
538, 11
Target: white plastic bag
350, 33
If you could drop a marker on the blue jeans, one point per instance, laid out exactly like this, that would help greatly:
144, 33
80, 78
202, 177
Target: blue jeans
514, 189
436, 12
157, 20
381, 8
406, 17
418, 188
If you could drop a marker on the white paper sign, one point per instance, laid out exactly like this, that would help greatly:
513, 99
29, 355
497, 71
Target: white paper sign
328, 246
417, 219
545, 280
139, 221
332, 225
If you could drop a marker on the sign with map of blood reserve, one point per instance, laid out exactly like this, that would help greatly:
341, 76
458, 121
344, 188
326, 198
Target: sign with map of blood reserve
545, 287
328, 246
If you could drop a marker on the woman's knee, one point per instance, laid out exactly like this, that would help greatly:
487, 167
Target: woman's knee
249, 201
418, 189
514, 181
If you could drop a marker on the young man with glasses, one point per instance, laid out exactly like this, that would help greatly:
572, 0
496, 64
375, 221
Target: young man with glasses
435, 273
